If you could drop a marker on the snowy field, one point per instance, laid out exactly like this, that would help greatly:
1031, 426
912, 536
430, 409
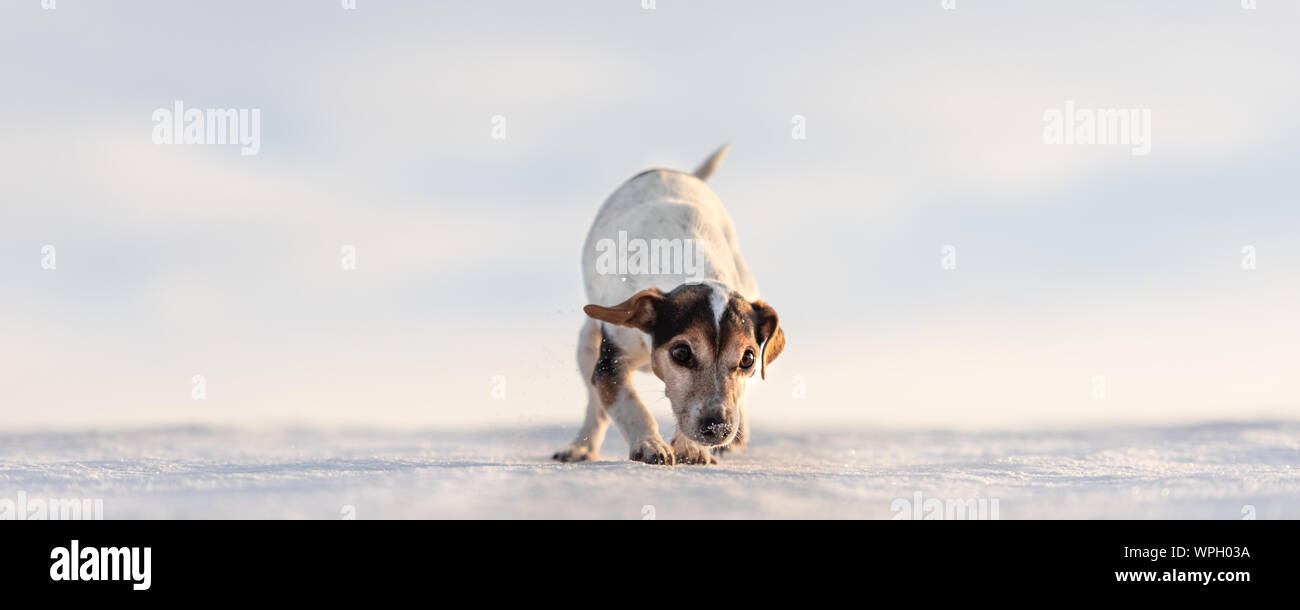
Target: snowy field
1212, 471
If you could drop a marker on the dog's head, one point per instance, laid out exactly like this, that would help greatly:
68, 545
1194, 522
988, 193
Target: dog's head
706, 343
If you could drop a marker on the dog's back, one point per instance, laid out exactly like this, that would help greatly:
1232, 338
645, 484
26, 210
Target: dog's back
686, 236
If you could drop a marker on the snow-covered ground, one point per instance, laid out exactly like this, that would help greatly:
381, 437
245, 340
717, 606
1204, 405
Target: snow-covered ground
1213, 471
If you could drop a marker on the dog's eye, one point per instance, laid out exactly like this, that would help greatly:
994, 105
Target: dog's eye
747, 360
681, 353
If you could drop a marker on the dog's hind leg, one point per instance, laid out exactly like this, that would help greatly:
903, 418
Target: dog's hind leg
586, 446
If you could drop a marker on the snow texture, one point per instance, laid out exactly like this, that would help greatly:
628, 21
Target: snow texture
1214, 471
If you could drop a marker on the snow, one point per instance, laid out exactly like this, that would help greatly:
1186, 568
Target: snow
1213, 471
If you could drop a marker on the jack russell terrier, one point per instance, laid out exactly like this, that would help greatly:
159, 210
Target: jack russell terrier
701, 330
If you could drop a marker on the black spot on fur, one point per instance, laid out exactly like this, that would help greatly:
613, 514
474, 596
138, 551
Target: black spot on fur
609, 365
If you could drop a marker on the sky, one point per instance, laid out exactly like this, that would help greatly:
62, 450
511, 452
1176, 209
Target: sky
1078, 268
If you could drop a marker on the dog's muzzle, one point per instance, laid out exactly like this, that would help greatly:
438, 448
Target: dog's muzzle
713, 429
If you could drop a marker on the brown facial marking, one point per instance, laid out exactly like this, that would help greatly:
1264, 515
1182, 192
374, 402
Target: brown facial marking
684, 308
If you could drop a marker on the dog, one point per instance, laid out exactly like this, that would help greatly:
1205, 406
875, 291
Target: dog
702, 330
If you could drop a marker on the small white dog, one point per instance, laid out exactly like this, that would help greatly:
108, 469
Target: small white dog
694, 321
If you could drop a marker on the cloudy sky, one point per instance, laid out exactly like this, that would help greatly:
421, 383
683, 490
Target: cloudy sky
924, 129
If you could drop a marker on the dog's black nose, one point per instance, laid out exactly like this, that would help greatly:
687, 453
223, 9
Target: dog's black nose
713, 426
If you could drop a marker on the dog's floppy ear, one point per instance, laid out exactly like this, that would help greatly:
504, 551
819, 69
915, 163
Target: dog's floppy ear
767, 327
637, 312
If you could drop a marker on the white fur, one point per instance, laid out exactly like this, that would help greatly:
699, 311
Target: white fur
718, 301
666, 204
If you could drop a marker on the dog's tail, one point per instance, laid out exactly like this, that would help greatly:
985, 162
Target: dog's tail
711, 164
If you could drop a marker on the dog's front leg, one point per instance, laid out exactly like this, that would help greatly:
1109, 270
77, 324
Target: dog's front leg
586, 447
690, 452
613, 382
640, 430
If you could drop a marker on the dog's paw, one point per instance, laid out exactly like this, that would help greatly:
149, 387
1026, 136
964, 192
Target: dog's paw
652, 451
575, 453
690, 453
